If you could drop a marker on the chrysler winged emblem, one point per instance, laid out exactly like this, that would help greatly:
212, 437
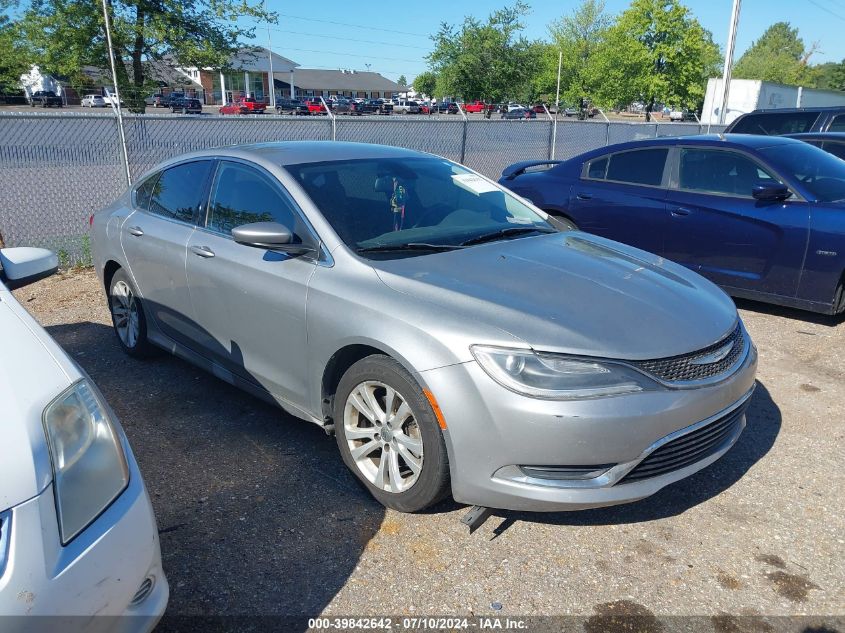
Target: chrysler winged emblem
715, 356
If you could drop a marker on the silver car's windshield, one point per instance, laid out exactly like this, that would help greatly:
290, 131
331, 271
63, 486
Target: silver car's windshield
413, 205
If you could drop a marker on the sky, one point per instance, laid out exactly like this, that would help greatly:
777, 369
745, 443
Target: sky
394, 37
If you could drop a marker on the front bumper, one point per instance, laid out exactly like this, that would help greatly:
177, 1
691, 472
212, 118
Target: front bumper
96, 574
492, 433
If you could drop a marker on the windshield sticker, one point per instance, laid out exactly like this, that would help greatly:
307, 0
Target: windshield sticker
474, 184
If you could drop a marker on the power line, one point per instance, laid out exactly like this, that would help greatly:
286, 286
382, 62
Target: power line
345, 39
344, 54
357, 26
824, 8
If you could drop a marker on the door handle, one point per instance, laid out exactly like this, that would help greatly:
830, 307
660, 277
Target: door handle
202, 251
680, 212
584, 196
135, 230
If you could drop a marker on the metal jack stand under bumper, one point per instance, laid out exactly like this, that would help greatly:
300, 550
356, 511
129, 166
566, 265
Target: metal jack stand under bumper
476, 517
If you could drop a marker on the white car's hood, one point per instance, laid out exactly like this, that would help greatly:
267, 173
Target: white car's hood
33, 371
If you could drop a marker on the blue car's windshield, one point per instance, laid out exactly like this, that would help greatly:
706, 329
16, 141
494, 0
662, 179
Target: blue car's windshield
820, 173
391, 203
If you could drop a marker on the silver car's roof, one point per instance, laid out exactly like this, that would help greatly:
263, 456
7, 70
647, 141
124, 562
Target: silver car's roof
298, 152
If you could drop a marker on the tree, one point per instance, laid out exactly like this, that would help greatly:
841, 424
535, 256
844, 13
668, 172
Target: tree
830, 76
14, 58
67, 35
656, 51
485, 60
576, 36
402, 81
425, 83
779, 55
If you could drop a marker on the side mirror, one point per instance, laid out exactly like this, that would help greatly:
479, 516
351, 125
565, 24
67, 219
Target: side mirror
25, 265
270, 235
771, 193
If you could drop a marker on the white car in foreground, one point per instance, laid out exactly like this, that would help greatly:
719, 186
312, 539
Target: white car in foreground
77, 532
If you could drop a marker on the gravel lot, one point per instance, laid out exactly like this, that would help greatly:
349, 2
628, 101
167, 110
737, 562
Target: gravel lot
258, 515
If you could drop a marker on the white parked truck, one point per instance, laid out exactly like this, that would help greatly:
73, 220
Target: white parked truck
747, 95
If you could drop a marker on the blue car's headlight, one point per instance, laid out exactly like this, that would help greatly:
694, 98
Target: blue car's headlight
554, 377
89, 466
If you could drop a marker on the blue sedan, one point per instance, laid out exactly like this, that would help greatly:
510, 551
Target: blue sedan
762, 216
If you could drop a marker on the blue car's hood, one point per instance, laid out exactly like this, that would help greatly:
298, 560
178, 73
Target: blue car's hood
574, 293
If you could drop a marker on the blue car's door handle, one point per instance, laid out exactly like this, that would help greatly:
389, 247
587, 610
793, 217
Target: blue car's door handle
584, 196
680, 211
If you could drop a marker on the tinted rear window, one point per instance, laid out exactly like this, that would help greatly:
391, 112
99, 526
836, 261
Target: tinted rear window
775, 123
639, 167
179, 191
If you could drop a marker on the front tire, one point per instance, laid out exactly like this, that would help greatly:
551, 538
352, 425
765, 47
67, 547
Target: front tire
389, 436
128, 319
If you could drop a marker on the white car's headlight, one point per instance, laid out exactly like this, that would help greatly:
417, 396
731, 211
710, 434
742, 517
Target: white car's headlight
554, 377
89, 466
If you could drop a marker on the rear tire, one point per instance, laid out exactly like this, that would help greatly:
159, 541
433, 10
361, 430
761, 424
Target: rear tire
128, 318
389, 436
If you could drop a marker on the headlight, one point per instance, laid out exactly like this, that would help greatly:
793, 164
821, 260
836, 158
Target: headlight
554, 377
89, 467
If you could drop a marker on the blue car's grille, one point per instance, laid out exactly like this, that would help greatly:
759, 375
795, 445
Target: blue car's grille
689, 448
693, 367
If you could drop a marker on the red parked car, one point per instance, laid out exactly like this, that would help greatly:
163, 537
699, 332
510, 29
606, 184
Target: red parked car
475, 106
315, 106
244, 105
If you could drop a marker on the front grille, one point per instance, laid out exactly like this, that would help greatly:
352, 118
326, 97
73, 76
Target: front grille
688, 448
684, 368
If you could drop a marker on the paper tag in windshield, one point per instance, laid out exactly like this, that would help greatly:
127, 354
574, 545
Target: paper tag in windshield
473, 183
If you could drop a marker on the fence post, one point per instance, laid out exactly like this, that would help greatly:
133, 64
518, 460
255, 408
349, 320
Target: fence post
552, 132
332, 117
464, 135
607, 134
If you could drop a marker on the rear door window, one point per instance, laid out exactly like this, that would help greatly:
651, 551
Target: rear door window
638, 167
775, 123
179, 192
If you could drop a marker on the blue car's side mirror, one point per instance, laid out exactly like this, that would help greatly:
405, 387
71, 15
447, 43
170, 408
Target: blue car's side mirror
771, 193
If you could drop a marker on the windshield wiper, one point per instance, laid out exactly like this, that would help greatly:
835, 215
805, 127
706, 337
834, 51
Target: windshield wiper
508, 232
410, 246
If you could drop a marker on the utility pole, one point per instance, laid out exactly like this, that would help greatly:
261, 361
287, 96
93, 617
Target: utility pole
117, 95
729, 59
272, 81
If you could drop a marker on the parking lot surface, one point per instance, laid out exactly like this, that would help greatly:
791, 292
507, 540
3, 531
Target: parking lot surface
258, 515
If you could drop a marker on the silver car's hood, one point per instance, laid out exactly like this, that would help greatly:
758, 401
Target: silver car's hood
572, 292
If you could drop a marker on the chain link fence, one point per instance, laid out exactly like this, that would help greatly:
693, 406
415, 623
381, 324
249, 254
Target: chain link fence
56, 169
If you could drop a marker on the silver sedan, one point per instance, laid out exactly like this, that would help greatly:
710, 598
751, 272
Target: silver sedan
455, 339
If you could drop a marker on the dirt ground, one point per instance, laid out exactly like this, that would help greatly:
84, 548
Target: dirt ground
259, 516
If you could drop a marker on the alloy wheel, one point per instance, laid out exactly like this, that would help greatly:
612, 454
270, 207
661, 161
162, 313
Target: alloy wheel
383, 436
125, 311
